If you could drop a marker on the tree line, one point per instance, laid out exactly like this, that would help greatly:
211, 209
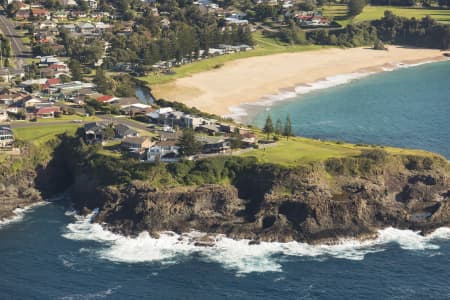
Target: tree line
278, 129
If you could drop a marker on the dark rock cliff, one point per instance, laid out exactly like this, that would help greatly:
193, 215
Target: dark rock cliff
295, 204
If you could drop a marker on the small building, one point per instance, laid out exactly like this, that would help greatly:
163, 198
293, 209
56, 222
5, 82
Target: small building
47, 112
106, 99
40, 13
136, 144
123, 131
6, 136
94, 132
214, 144
208, 129
166, 151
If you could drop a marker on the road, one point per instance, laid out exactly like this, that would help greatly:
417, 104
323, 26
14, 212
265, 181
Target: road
20, 51
7, 26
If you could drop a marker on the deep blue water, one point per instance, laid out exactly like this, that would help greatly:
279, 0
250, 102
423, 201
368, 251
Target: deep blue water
52, 255
37, 262
407, 108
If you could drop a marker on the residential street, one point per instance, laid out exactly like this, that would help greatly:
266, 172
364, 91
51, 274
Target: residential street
8, 28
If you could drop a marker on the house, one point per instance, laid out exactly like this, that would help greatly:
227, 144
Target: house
208, 129
164, 151
136, 144
123, 131
86, 28
47, 112
160, 113
33, 102
22, 14
6, 136
94, 132
47, 24
192, 121
92, 4
40, 13
106, 99
136, 109
214, 144
69, 27
235, 21
249, 139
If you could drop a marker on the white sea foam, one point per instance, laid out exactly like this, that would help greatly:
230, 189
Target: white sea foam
239, 112
97, 295
19, 214
239, 255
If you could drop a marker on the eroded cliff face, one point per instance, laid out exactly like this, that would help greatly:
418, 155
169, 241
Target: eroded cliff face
312, 206
34, 175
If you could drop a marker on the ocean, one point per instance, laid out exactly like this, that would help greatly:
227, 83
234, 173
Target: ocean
407, 107
48, 252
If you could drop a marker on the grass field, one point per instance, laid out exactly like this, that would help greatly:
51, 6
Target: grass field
39, 135
339, 12
264, 46
67, 118
300, 151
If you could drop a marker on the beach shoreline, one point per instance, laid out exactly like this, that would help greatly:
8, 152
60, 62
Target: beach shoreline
236, 88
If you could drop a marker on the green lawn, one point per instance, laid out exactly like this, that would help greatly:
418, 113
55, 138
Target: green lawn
39, 135
67, 118
264, 46
377, 12
297, 151
339, 12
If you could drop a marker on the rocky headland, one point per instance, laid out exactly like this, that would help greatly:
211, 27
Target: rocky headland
320, 202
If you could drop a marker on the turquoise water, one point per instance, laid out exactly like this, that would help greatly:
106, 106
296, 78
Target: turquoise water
408, 107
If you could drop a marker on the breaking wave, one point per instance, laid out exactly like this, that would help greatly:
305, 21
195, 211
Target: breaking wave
19, 214
239, 255
239, 113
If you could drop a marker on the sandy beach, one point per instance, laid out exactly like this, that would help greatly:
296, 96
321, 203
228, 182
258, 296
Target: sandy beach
249, 80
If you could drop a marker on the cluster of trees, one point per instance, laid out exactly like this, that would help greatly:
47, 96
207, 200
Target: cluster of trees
355, 7
86, 52
390, 29
183, 41
423, 33
5, 51
278, 129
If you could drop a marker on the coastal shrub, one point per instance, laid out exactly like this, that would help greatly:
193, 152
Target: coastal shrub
334, 166
418, 163
377, 155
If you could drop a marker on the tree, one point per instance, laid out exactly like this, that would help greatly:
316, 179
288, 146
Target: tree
287, 132
355, 7
278, 127
268, 127
75, 69
188, 144
104, 84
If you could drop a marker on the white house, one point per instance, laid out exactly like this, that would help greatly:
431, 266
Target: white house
163, 151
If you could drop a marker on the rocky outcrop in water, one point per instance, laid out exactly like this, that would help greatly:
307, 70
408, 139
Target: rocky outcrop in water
316, 205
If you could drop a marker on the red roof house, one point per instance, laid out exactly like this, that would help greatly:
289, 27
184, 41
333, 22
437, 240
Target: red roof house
106, 99
47, 112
